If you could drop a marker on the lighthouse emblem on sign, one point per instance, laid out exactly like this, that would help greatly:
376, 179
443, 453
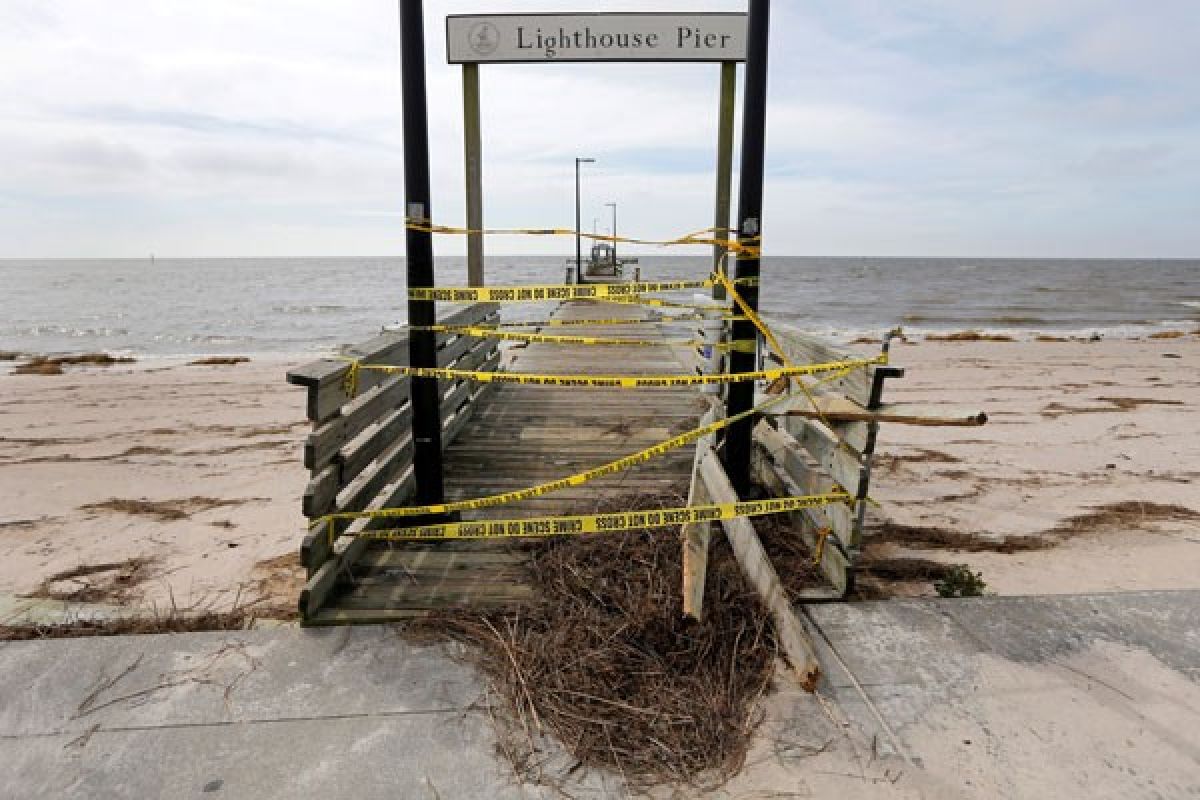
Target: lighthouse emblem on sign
484, 38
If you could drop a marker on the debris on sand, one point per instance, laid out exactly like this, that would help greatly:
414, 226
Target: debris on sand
606, 663
52, 365
215, 361
968, 336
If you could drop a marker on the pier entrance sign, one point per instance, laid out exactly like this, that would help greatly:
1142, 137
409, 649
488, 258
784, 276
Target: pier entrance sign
542, 38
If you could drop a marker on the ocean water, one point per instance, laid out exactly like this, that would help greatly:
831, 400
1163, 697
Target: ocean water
310, 305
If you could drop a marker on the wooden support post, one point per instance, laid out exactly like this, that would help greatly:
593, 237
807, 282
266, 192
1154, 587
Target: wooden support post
473, 161
724, 165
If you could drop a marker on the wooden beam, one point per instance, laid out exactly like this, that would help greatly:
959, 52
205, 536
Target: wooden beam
839, 409
793, 636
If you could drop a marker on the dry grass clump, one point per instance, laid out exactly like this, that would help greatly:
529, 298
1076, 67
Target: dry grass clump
52, 365
10, 355
36, 367
169, 622
164, 510
1131, 514
110, 582
1168, 335
1045, 337
606, 663
1128, 515
214, 361
1115, 404
968, 336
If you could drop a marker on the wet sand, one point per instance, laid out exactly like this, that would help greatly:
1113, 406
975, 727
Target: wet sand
159, 483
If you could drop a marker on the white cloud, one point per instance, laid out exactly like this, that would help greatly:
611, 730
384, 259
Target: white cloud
272, 127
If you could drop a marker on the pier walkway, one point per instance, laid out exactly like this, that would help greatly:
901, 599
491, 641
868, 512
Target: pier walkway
526, 435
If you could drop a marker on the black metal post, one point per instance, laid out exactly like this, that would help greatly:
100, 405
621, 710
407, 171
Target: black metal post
422, 345
738, 439
614, 244
578, 247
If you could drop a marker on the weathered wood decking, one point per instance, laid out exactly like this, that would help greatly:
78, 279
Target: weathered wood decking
521, 436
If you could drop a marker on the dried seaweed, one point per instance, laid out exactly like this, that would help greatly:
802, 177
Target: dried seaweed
606, 662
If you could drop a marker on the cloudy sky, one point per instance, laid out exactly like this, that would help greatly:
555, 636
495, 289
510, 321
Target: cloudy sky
924, 127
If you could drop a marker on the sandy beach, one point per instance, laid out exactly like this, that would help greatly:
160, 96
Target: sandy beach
160, 483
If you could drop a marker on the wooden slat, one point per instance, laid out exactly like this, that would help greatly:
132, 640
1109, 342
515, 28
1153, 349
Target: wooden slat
806, 480
835, 565
860, 386
793, 636
314, 550
351, 457
321, 492
358, 454
327, 561
391, 462
325, 378
323, 443
820, 443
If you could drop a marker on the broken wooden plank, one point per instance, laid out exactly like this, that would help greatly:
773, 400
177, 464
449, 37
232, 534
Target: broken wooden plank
793, 636
839, 409
697, 535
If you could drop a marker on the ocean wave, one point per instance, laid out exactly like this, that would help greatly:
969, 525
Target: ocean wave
316, 309
64, 330
1190, 304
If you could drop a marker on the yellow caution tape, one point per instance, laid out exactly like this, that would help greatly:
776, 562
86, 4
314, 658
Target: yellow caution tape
551, 338
746, 247
583, 524
570, 481
656, 321
750, 313
658, 302
557, 291
606, 381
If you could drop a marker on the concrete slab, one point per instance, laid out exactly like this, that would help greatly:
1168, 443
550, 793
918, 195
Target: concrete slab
1057, 696
271, 713
1095, 696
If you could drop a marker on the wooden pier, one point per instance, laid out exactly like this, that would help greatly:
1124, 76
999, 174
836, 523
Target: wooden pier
501, 437
498, 438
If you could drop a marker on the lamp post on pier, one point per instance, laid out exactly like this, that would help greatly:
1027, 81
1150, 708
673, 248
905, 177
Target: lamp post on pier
613, 206
578, 245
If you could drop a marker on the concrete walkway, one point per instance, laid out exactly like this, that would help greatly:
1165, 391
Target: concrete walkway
1068, 696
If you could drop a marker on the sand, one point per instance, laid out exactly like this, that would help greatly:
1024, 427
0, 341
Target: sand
1075, 430
162, 483
153, 484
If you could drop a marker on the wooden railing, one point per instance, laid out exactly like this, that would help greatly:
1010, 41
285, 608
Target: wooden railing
802, 453
360, 450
